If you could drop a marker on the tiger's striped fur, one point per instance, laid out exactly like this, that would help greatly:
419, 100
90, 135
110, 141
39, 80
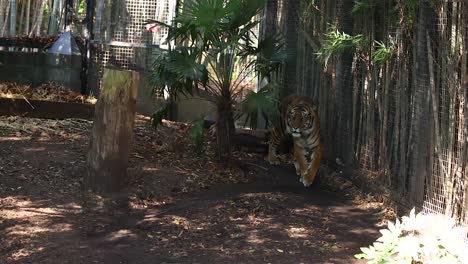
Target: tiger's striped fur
299, 118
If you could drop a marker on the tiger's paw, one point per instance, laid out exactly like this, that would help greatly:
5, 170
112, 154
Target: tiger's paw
298, 170
273, 161
306, 182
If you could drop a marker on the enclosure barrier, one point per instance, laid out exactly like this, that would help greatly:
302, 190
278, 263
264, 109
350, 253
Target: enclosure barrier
392, 97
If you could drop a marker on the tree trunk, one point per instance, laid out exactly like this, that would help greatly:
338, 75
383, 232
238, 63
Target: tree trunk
28, 14
112, 132
291, 28
269, 25
224, 127
3, 4
37, 26
13, 18
5, 21
54, 18
21, 17
421, 110
344, 84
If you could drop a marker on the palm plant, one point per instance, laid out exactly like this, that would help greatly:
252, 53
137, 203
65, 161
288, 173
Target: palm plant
212, 37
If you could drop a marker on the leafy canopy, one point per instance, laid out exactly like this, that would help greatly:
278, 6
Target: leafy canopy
212, 37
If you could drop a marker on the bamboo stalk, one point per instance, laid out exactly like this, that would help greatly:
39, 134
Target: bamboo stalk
399, 105
40, 17
5, 21
404, 126
437, 150
21, 19
35, 18
464, 83
12, 31
362, 112
385, 109
452, 100
28, 14
354, 122
2, 14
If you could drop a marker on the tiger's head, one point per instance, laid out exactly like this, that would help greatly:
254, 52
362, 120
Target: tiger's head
299, 120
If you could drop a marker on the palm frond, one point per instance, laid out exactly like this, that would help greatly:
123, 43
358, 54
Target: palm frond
269, 54
264, 102
177, 71
241, 12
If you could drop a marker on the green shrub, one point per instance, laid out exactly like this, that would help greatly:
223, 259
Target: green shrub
196, 135
336, 42
158, 115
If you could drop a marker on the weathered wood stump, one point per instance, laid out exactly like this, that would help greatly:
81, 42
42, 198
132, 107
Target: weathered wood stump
112, 132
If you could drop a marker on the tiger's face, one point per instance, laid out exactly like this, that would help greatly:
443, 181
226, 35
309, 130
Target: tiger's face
299, 121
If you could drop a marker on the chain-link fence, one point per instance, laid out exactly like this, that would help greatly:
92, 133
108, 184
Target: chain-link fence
392, 93
122, 37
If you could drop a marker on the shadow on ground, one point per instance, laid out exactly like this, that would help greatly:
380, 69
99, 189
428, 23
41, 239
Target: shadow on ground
272, 219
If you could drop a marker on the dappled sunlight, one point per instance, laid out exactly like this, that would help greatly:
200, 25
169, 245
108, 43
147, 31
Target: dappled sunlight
24, 253
26, 223
19, 206
256, 220
15, 201
39, 149
117, 235
306, 210
72, 136
297, 232
179, 220
25, 229
254, 238
14, 138
70, 206
279, 197
36, 230
151, 169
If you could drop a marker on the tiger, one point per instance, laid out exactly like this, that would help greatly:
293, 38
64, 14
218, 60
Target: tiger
299, 117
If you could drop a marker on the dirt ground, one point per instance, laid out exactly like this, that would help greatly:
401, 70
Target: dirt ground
179, 208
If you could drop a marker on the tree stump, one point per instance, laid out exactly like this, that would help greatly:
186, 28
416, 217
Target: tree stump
112, 132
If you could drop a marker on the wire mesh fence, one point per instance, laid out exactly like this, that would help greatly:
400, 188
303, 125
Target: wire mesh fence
122, 38
393, 105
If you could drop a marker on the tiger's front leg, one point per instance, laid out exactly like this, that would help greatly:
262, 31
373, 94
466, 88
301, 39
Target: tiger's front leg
300, 161
275, 138
272, 158
312, 170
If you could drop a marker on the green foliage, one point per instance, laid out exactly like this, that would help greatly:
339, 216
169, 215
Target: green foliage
435, 4
363, 8
4, 132
216, 34
269, 54
158, 116
308, 10
263, 102
82, 7
382, 53
177, 72
337, 42
408, 241
196, 135
410, 12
